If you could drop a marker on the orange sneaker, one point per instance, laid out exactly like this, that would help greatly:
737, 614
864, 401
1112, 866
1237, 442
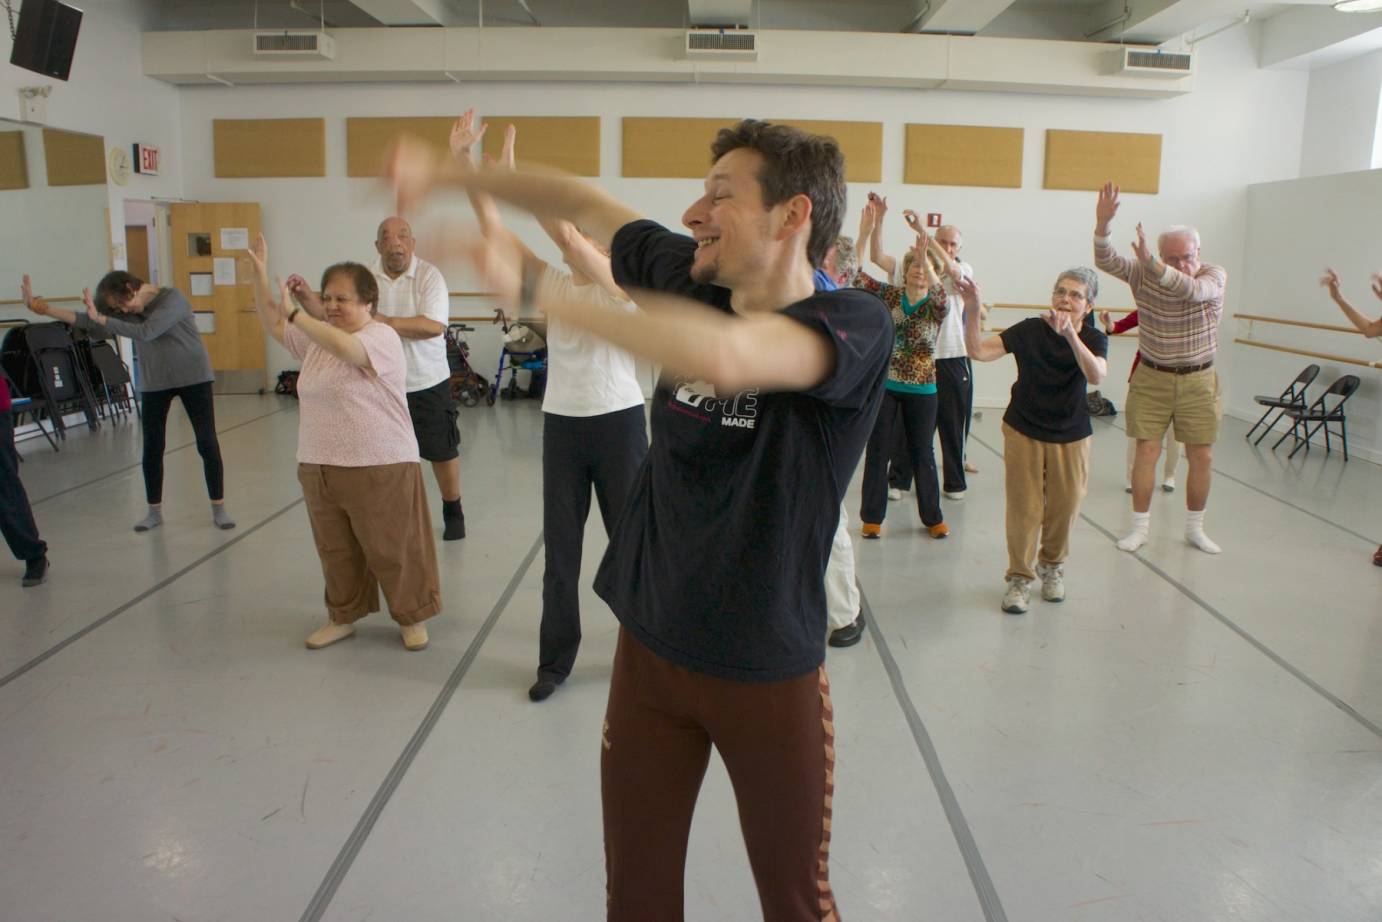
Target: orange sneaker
872, 531
939, 530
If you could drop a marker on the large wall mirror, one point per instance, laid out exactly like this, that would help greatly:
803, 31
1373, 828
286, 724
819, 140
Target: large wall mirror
56, 225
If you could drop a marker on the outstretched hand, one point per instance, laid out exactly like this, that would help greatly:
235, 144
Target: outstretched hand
259, 254
26, 291
90, 305
913, 220
465, 134
1059, 322
301, 291
1106, 321
969, 291
1330, 280
1107, 207
1140, 248
506, 158
412, 170
1377, 285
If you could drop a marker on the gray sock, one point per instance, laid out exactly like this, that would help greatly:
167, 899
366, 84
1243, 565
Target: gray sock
220, 516
150, 521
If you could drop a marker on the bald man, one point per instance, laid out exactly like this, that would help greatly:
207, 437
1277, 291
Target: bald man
413, 299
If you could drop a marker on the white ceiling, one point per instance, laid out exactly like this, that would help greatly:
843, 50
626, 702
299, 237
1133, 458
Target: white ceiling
1142, 21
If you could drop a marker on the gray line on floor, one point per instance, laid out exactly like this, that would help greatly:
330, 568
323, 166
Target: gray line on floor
959, 826
341, 866
1314, 515
157, 587
136, 464
1229, 623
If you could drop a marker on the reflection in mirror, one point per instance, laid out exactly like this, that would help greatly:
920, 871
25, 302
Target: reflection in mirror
53, 197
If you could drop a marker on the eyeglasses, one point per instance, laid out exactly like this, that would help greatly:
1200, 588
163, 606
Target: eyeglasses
1068, 294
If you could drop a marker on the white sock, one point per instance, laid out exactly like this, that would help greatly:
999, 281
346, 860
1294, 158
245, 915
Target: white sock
1194, 532
1141, 527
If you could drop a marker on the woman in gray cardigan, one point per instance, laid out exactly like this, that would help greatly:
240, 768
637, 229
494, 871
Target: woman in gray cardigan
172, 363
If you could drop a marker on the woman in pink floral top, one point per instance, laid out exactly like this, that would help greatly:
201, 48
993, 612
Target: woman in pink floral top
357, 455
918, 307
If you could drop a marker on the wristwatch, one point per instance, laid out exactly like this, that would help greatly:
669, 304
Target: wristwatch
293, 314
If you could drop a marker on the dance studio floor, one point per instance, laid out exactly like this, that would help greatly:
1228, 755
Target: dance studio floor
1185, 738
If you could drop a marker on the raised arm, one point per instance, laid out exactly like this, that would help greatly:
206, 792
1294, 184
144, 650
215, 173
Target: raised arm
583, 256
1208, 285
1106, 257
414, 169
882, 260
1330, 280
42, 307
271, 311
980, 348
1093, 366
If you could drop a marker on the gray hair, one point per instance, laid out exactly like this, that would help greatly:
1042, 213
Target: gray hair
959, 234
1178, 230
846, 258
1085, 277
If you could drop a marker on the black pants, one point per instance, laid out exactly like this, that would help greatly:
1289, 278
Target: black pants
955, 402
918, 420
197, 401
579, 452
899, 461
16, 517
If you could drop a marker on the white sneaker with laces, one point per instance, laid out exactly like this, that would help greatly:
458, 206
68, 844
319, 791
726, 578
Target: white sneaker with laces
1052, 581
894, 494
1019, 594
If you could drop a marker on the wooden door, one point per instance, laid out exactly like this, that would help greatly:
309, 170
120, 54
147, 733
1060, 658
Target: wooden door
137, 250
201, 236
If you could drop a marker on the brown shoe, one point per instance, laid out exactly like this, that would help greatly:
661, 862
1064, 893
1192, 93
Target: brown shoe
328, 634
414, 636
939, 530
871, 530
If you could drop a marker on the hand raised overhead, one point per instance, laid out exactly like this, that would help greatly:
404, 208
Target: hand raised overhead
1107, 207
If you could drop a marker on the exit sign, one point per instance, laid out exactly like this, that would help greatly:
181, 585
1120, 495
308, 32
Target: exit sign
146, 160
933, 219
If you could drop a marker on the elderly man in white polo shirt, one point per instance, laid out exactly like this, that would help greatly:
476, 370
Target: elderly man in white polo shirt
413, 299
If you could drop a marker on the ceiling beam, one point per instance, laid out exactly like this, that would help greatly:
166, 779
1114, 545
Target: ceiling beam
1311, 37
405, 12
957, 16
1157, 21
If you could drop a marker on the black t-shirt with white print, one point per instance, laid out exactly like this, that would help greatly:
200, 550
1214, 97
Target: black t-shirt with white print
717, 563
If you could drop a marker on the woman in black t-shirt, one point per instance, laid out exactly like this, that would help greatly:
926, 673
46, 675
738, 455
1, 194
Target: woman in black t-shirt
1046, 430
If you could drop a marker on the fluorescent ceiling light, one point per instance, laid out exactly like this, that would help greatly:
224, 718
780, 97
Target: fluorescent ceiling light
1358, 6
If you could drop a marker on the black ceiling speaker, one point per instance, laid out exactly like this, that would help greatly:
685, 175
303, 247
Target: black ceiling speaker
46, 37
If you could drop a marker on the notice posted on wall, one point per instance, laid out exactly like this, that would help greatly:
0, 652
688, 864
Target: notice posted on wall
235, 238
201, 283
224, 269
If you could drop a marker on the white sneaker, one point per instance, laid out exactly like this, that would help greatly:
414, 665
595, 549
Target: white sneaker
1052, 582
954, 494
1019, 594
894, 494
1169, 485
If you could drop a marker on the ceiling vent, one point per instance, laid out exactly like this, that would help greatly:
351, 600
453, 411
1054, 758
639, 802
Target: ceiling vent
1139, 62
295, 45
722, 45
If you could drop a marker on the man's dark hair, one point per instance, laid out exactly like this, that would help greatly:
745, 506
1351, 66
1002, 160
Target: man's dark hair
366, 288
795, 163
115, 286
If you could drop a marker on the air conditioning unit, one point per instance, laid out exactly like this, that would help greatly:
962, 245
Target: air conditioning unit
295, 45
1144, 62
722, 45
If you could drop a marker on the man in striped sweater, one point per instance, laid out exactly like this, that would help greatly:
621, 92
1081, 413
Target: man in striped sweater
1179, 302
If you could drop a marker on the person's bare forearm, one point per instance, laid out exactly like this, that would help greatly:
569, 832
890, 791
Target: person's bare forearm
1369, 328
1094, 368
415, 327
339, 343
63, 314
548, 196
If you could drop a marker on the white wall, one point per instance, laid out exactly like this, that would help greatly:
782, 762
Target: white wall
1342, 121
108, 95
1241, 125
1295, 229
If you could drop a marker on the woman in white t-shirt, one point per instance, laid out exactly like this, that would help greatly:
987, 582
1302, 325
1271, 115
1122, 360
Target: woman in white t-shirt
357, 455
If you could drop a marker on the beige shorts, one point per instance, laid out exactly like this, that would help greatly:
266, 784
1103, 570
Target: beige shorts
1156, 399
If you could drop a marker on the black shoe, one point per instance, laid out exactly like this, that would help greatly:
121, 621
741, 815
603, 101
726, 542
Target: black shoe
454, 522
35, 571
544, 686
848, 635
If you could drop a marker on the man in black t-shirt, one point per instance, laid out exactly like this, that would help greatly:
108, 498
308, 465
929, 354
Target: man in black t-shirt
716, 567
1046, 429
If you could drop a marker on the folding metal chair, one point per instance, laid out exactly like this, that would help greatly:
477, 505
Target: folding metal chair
1321, 414
21, 404
62, 379
114, 378
1293, 396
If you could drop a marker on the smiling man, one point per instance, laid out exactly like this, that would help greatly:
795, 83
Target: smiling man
715, 570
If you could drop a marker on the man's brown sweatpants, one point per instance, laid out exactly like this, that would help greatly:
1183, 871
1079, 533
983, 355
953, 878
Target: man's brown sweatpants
372, 530
1046, 481
777, 740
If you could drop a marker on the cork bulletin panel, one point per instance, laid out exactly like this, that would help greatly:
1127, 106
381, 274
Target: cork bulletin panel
679, 148
14, 169
74, 159
1087, 159
369, 140
255, 148
963, 155
568, 143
